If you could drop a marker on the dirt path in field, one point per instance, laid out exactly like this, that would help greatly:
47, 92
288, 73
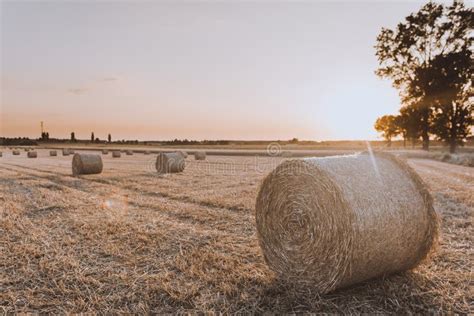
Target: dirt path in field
453, 181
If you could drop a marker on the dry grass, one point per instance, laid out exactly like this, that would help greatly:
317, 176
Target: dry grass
130, 240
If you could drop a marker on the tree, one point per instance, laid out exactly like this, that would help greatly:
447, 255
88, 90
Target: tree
453, 102
109, 138
92, 137
73, 137
405, 54
409, 123
386, 125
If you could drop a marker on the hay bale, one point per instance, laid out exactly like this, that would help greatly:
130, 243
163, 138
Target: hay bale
200, 155
53, 153
184, 153
16, 152
335, 221
170, 162
32, 154
105, 152
65, 152
129, 152
116, 154
86, 164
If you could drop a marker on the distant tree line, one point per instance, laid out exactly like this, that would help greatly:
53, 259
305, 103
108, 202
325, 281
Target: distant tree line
429, 59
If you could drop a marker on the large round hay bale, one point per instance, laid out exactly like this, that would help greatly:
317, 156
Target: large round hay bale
86, 164
170, 162
53, 153
129, 152
65, 152
335, 221
16, 152
200, 155
116, 154
105, 152
32, 154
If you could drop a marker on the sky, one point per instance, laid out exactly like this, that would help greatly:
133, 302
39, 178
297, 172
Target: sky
155, 70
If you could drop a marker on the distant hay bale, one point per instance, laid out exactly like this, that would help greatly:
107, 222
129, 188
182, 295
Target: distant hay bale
105, 152
116, 154
184, 153
53, 153
86, 164
65, 152
335, 221
170, 162
16, 152
129, 152
32, 154
200, 155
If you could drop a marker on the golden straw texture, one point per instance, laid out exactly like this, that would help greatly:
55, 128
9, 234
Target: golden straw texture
116, 154
335, 221
200, 155
170, 162
86, 164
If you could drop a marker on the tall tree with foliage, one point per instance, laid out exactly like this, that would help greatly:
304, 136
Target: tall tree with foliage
406, 53
453, 120
386, 125
109, 138
92, 137
409, 123
73, 137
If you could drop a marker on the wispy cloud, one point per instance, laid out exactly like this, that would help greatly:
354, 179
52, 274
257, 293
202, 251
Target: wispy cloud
77, 90
110, 79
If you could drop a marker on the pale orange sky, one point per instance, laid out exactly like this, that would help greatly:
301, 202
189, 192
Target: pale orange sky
196, 70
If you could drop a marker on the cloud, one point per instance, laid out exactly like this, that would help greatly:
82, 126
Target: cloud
110, 79
77, 90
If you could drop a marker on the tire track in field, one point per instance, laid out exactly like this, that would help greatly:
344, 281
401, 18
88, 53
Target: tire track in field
115, 182
186, 222
223, 212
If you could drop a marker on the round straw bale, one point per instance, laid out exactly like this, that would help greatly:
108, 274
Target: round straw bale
170, 162
65, 152
105, 152
86, 164
335, 221
32, 154
16, 152
129, 152
200, 155
53, 153
184, 153
116, 154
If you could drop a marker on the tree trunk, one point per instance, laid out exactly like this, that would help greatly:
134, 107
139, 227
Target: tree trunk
425, 126
453, 133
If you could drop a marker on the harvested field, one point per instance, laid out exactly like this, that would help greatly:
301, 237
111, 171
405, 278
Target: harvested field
134, 241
